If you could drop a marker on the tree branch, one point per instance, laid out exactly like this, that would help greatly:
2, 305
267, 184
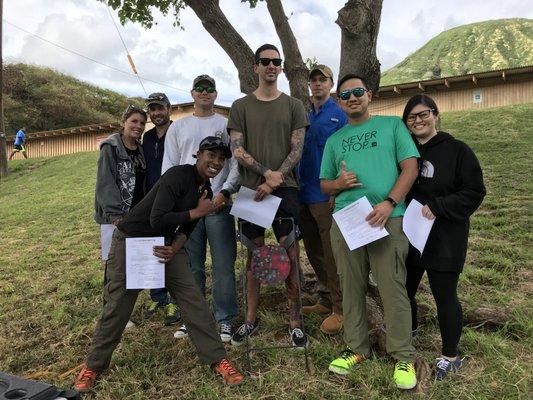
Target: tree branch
218, 26
295, 68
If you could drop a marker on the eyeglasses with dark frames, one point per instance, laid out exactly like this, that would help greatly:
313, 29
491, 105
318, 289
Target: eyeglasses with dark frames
422, 114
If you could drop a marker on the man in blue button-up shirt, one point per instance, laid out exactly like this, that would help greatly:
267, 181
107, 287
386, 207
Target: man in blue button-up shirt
325, 118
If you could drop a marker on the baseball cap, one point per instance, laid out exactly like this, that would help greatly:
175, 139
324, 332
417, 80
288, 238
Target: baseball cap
323, 69
203, 77
158, 98
213, 143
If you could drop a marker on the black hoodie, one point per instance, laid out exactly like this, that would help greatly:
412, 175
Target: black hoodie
450, 182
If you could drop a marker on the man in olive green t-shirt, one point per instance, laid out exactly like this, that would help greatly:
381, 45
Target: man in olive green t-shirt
267, 130
372, 156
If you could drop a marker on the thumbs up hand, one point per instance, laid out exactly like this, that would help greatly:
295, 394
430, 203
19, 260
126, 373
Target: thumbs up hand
346, 179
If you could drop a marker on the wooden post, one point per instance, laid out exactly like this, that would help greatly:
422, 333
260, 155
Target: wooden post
3, 142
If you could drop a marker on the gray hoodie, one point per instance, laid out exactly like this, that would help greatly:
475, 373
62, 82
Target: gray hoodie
115, 180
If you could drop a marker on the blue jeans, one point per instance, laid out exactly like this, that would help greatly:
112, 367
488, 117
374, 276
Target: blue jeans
219, 230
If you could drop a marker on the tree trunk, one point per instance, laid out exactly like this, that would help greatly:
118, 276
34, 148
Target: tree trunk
359, 22
218, 26
295, 69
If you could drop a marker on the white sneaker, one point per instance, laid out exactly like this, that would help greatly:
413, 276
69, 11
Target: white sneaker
181, 332
130, 325
225, 332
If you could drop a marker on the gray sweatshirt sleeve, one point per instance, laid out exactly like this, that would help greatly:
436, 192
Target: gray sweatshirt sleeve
107, 192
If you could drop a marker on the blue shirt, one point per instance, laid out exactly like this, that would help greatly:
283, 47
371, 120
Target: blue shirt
328, 119
19, 139
153, 148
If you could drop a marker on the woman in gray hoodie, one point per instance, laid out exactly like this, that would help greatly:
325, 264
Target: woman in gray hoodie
120, 176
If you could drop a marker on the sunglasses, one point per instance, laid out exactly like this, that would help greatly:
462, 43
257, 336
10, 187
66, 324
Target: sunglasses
208, 89
357, 92
422, 114
159, 97
265, 62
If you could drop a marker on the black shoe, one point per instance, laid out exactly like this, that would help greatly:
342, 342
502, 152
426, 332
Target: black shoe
246, 329
298, 338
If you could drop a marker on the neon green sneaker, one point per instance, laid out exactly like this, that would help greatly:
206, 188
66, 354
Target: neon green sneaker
151, 309
172, 315
404, 375
346, 362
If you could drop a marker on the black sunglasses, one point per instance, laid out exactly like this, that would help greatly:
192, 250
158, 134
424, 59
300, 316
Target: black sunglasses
208, 89
357, 92
266, 61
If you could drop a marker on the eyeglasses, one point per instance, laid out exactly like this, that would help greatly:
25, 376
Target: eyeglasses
422, 114
357, 92
208, 89
265, 62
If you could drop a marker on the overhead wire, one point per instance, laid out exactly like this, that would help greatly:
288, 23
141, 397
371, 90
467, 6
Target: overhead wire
91, 59
130, 59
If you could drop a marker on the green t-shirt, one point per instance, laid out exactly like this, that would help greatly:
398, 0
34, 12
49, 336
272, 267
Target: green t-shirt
267, 128
373, 150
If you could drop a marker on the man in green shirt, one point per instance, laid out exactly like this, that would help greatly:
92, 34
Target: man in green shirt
267, 129
372, 156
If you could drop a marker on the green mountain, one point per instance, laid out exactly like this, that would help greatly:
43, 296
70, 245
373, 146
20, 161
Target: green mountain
43, 99
479, 47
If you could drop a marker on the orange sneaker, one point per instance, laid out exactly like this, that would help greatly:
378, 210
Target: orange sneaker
230, 375
85, 380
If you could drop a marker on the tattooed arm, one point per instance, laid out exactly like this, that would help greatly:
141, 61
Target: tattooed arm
297, 144
273, 178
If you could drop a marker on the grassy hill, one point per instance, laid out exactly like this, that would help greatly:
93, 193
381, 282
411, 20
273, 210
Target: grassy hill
478, 47
43, 99
52, 282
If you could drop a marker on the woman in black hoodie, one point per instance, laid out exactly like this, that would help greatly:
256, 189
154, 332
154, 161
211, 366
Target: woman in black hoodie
450, 188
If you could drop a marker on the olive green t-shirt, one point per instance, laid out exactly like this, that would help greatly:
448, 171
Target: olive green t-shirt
267, 128
373, 150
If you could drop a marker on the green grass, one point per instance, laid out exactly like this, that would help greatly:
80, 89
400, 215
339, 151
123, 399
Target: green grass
52, 280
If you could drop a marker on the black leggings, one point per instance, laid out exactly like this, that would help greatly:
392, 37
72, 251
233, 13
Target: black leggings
444, 288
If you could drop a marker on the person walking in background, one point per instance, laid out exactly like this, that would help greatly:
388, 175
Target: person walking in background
120, 177
171, 209
217, 228
450, 187
325, 118
158, 106
372, 157
267, 129
18, 144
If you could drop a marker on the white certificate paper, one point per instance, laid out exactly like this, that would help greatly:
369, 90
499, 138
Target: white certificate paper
143, 269
415, 226
354, 228
261, 213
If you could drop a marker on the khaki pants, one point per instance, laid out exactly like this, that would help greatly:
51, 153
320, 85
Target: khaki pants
119, 303
315, 224
386, 259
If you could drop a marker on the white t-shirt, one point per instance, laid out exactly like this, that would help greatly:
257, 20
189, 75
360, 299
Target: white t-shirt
183, 139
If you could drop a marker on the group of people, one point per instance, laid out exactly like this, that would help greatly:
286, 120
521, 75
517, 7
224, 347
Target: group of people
178, 183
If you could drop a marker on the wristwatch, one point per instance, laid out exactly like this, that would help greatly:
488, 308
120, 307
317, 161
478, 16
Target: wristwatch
226, 194
392, 201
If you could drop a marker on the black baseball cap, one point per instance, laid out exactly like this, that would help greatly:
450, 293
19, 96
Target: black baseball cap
157, 98
214, 143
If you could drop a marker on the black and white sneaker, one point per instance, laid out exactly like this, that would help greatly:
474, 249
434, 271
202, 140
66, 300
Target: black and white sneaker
225, 332
181, 333
298, 338
246, 329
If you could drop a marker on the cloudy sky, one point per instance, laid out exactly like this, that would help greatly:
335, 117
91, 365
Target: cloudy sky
173, 57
